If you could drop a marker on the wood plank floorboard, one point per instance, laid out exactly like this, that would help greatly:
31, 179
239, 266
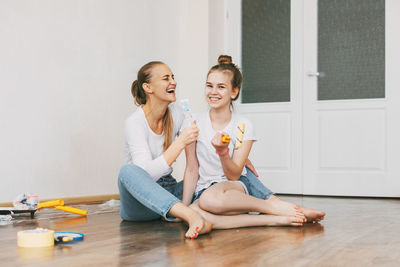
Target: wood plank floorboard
355, 232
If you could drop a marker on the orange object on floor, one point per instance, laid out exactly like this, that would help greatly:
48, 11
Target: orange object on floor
49, 204
72, 210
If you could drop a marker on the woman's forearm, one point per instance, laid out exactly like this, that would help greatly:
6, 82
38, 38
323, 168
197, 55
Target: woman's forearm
187, 137
173, 151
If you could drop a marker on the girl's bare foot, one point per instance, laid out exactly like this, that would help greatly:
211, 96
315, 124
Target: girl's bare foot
313, 215
288, 221
276, 206
197, 225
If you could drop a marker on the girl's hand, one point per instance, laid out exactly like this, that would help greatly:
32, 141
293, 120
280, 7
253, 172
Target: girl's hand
250, 166
220, 146
189, 134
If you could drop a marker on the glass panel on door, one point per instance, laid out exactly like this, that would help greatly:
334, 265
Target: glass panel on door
351, 49
266, 51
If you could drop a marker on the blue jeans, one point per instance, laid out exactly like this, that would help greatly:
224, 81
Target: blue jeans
255, 187
143, 199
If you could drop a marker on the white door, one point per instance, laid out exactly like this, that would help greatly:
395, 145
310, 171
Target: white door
276, 110
336, 133
350, 109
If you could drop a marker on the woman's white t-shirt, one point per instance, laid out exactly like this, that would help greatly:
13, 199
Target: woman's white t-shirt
210, 168
143, 147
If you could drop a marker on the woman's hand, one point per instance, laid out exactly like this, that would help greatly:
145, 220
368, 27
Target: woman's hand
220, 146
189, 134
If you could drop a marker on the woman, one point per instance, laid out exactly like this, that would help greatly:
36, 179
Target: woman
147, 189
215, 172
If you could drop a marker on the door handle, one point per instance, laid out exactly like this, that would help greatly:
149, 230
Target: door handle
316, 74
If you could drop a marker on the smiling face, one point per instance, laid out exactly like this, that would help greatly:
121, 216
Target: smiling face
162, 84
219, 91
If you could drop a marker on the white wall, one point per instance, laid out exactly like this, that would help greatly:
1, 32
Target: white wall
65, 73
216, 29
193, 61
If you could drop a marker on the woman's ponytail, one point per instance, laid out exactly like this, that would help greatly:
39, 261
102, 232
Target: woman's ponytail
143, 76
138, 93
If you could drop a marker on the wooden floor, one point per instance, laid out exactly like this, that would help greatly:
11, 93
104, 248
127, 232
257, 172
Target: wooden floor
356, 232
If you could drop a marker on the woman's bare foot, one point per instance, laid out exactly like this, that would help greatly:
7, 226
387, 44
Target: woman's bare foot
197, 225
277, 206
313, 215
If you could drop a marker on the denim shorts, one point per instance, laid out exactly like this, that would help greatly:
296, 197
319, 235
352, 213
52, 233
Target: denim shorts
198, 194
255, 187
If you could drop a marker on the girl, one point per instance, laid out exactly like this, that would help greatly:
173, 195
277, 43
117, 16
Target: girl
215, 172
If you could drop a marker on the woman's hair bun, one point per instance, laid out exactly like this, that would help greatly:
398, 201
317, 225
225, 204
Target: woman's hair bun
224, 59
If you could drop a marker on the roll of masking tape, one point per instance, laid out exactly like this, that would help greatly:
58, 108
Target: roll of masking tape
36, 238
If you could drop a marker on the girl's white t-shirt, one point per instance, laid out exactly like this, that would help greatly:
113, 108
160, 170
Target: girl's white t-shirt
143, 147
210, 168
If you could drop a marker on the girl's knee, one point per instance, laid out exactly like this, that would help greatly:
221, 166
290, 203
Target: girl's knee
211, 202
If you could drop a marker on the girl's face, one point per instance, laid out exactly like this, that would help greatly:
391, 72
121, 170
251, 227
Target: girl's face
219, 91
162, 84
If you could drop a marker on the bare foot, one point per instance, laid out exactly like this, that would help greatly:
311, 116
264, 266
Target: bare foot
277, 206
287, 221
313, 215
197, 225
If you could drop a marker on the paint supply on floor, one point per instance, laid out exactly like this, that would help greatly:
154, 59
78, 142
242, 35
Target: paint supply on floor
110, 203
25, 201
36, 238
72, 210
50, 204
12, 210
5, 219
67, 237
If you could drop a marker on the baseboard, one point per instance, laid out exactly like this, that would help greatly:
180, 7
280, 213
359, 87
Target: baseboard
75, 200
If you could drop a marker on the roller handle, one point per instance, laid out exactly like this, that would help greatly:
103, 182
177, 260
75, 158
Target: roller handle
49, 204
72, 210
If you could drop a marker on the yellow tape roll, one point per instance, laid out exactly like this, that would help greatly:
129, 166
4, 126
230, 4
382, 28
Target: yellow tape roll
36, 238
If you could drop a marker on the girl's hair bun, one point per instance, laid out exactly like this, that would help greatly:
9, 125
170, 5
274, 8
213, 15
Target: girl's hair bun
224, 59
